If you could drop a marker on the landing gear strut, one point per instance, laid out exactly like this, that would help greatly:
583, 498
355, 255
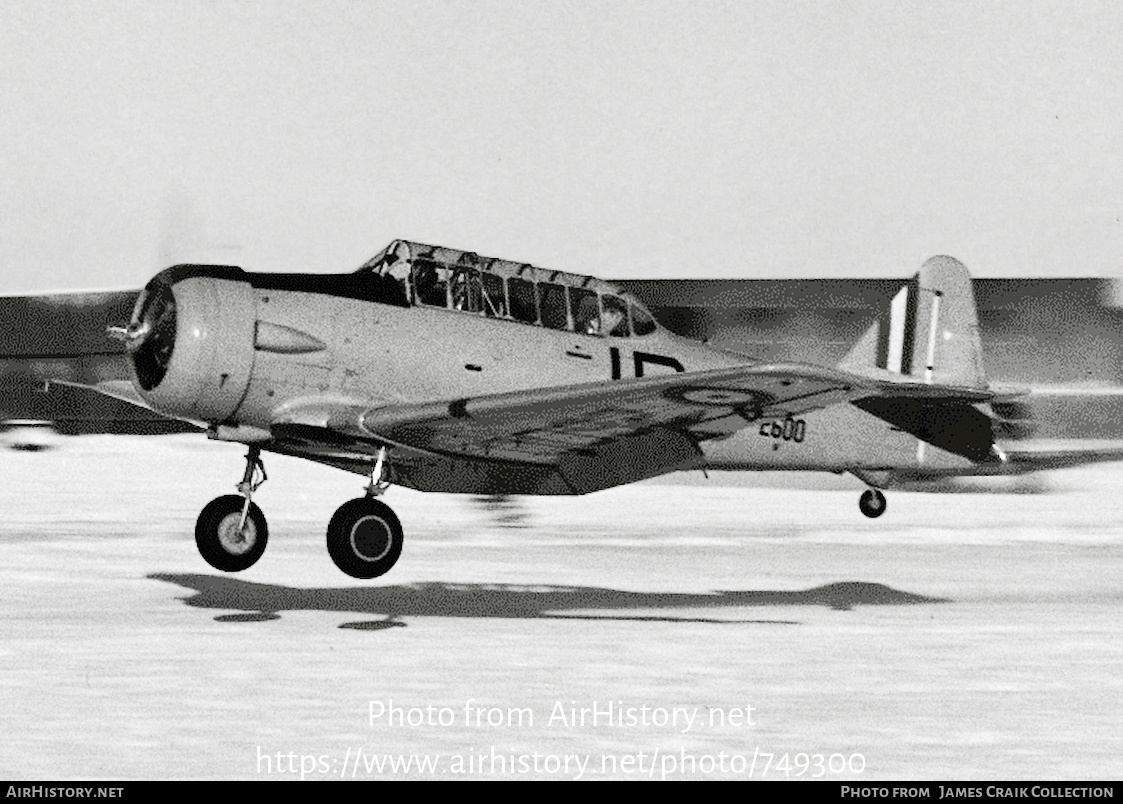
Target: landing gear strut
231, 532
872, 503
364, 536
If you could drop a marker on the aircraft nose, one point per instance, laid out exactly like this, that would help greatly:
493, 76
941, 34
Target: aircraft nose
150, 335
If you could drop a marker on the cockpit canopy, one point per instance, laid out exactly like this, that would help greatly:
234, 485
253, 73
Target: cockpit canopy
433, 276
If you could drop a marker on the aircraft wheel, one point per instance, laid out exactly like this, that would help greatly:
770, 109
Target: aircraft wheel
217, 537
364, 538
872, 503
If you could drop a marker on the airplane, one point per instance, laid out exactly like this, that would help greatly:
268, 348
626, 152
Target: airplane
441, 370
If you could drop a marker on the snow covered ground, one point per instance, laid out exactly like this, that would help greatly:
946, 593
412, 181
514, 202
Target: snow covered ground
658, 630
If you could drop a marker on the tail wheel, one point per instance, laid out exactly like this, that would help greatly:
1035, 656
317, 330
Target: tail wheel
872, 503
364, 538
221, 542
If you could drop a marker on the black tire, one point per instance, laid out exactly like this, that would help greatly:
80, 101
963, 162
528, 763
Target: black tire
216, 534
872, 503
364, 538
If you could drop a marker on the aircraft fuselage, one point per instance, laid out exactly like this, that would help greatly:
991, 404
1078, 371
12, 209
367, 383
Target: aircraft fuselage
370, 353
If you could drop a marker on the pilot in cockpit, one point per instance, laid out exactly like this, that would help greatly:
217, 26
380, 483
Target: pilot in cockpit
611, 320
430, 289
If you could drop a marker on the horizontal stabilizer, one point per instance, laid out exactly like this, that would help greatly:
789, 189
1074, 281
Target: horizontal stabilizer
959, 428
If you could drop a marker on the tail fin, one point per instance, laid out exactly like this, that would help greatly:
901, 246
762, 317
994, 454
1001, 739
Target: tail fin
931, 332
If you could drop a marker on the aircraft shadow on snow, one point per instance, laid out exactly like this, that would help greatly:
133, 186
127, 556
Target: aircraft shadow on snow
262, 601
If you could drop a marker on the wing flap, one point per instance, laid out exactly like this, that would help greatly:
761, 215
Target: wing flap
628, 459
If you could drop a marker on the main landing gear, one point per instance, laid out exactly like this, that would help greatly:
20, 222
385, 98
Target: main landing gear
364, 536
872, 503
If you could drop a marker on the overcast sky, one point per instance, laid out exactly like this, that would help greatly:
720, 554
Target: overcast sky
692, 139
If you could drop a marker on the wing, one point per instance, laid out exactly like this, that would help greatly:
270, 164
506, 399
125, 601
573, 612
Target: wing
577, 439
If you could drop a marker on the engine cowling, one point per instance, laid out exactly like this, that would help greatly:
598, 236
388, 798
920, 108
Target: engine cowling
191, 339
